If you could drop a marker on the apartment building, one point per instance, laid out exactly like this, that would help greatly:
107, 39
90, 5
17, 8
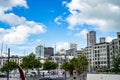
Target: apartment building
114, 48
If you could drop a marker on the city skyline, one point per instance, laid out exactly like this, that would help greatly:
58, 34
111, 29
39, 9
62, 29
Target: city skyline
24, 24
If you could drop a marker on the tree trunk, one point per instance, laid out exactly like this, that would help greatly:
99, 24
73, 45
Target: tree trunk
38, 71
71, 73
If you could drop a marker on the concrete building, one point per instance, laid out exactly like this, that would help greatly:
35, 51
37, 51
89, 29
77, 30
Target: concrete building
101, 55
114, 48
91, 38
79, 53
73, 46
102, 39
71, 52
16, 59
98, 55
39, 51
118, 37
48, 51
88, 52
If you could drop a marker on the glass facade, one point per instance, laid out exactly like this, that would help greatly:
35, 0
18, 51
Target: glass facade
39, 51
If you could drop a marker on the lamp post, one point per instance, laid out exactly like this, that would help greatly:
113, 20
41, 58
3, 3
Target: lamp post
8, 63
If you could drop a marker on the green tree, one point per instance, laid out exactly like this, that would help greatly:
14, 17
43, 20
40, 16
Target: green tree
37, 65
84, 63
68, 67
48, 65
12, 66
116, 64
80, 64
30, 62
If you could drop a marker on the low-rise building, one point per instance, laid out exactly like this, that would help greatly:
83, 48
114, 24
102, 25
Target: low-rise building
16, 59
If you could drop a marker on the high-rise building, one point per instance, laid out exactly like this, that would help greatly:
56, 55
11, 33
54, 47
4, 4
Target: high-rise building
102, 40
48, 51
91, 38
73, 46
39, 50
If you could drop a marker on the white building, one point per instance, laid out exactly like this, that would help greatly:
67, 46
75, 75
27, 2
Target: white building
101, 55
16, 59
88, 52
97, 55
114, 48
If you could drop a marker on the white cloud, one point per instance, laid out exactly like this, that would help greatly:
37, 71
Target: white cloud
62, 45
83, 33
102, 14
64, 2
109, 38
58, 20
9, 4
12, 19
20, 34
21, 29
1, 29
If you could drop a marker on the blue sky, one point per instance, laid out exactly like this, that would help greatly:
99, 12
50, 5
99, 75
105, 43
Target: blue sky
24, 24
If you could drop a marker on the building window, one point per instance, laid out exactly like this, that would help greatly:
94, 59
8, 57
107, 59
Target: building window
104, 62
118, 36
101, 62
95, 62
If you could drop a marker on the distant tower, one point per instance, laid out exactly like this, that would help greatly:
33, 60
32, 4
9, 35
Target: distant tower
102, 39
73, 46
39, 51
91, 38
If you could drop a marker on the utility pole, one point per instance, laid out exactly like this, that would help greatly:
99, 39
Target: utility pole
8, 63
